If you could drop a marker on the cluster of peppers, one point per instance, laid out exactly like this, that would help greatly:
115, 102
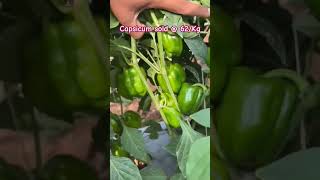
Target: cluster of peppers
253, 112
189, 97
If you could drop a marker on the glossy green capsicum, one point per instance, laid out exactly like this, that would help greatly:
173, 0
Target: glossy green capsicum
190, 98
130, 84
172, 44
227, 45
254, 118
132, 119
219, 170
176, 76
173, 116
62, 71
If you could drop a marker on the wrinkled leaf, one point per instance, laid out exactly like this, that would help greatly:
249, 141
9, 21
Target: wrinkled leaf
122, 168
133, 142
197, 47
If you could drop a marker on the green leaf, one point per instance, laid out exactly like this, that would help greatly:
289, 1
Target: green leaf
198, 163
152, 173
198, 48
193, 71
178, 176
269, 31
296, 166
172, 146
188, 137
307, 24
153, 129
113, 21
122, 168
202, 117
133, 142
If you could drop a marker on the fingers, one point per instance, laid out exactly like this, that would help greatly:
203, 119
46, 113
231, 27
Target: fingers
181, 7
127, 16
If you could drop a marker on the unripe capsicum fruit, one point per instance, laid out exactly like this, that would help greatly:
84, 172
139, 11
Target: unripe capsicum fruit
172, 44
62, 70
176, 76
226, 50
170, 110
130, 84
227, 45
132, 119
190, 98
255, 117
219, 170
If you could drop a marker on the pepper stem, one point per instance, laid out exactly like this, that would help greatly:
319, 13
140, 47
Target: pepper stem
142, 77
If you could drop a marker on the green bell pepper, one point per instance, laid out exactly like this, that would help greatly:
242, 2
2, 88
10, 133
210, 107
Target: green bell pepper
176, 76
254, 118
170, 110
220, 77
190, 98
117, 149
132, 119
116, 124
219, 170
63, 72
172, 44
227, 46
173, 116
130, 84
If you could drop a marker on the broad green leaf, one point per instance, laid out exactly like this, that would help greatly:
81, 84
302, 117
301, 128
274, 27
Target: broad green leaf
198, 163
202, 117
133, 142
296, 166
172, 146
122, 168
152, 173
307, 24
198, 48
193, 71
188, 137
269, 32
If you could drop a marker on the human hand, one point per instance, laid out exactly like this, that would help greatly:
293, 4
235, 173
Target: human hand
127, 11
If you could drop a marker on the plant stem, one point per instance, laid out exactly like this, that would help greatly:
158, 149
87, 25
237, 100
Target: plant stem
163, 70
37, 140
142, 77
298, 67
